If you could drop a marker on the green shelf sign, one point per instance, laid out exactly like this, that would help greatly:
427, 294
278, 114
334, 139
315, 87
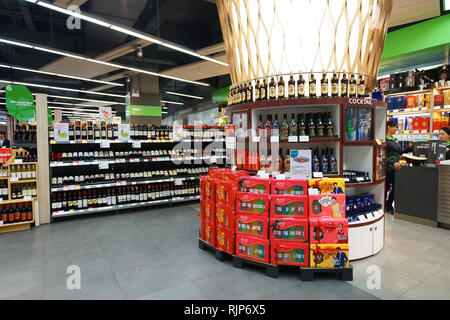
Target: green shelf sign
19, 102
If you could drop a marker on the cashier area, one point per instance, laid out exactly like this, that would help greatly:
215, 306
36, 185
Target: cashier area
420, 172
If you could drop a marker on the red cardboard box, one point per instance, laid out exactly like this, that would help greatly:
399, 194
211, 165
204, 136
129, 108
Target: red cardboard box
209, 233
411, 102
252, 248
208, 211
330, 205
225, 217
289, 229
289, 206
251, 225
289, 187
438, 100
289, 253
252, 203
226, 241
424, 124
234, 175
208, 188
254, 185
328, 230
226, 192
416, 124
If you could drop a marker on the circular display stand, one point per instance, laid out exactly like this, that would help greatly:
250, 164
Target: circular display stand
366, 236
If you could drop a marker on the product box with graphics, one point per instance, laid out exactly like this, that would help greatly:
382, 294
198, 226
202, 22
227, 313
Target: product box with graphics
289, 253
327, 205
208, 188
208, 211
226, 240
411, 102
289, 229
225, 217
226, 192
328, 185
253, 248
288, 206
289, 187
208, 233
227, 174
328, 230
254, 185
252, 203
257, 226
400, 102
328, 256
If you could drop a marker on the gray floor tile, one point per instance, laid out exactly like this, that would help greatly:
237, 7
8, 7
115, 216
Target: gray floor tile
73, 250
19, 280
185, 291
23, 257
419, 268
434, 288
439, 253
389, 257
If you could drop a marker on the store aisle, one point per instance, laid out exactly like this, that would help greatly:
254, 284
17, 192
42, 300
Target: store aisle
153, 254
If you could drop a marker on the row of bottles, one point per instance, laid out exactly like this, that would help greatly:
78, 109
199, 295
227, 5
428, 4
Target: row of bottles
23, 171
335, 87
356, 176
19, 191
16, 213
30, 156
77, 200
80, 179
312, 125
327, 163
25, 133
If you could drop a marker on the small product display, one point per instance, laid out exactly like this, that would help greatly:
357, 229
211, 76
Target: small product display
25, 133
289, 253
289, 229
329, 205
15, 213
329, 255
361, 204
327, 163
282, 206
252, 248
358, 124
328, 230
327, 185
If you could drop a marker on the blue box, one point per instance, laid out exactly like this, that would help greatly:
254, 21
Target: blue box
390, 103
400, 102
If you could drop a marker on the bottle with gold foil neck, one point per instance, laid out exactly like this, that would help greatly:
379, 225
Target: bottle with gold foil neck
301, 86
312, 86
344, 86
272, 89
324, 86
334, 86
291, 87
281, 88
263, 90
361, 87
352, 87
249, 92
257, 91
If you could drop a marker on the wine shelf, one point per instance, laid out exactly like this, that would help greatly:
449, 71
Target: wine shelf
59, 214
119, 184
131, 141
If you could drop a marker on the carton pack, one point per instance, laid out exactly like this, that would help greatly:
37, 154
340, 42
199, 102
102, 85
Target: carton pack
327, 205
328, 256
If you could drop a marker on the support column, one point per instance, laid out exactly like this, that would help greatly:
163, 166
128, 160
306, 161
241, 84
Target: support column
43, 160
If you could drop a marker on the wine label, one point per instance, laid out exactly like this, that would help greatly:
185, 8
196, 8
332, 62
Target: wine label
301, 89
334, 88
352, 88
272, 92
324, 88
361, 90
343, 89
312, 88
291, 90
263, 93
281, 91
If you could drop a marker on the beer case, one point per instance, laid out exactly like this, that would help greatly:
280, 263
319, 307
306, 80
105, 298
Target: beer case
208, 211
225, 217
251, 225
328, 230
288, 206
226, 192
289, 229
289, 253
254, 185
226, 240
328, 185
328, 256
253, 248
327, 205
208, 188
208, 233
289, 187
253, 203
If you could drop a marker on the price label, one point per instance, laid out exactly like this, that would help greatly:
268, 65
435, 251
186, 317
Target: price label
18, 161
84, 141
52, 142
378, 142
274, 139
313, 191
178, 182
102, 165
415, 109
26, 198
256, 139
137, 144
406, 132
14, 179
90, 209
281, 177
317, 175
359, 179
65, 188
75, 163
77, 187
346, 180
304, 138
105, 144
293, 139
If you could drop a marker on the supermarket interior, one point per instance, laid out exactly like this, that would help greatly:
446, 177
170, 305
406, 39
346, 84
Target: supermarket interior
224, 150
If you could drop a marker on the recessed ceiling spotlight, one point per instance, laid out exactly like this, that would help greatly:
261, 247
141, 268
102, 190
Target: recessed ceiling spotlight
139, 52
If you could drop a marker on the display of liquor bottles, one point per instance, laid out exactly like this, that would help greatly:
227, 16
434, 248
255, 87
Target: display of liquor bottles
334, 86
344, 86
268, 125
324, 86
25, 133
325, 163
19, 191
311, 125
23, 171
361, 87
352, 88
281, 88
329, 125
332, 162
17, 212
284, 130
291, 87
272, 89
352, 176
27, 156
263, 87
319, 125
293, 127
257, 91
315, 161
302, 129
312, 86
301, 87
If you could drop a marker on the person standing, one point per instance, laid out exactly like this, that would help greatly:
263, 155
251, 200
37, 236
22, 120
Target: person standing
444, 135
4, 143
393, 153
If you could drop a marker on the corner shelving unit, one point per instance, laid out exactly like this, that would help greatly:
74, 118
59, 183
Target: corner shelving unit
366, 237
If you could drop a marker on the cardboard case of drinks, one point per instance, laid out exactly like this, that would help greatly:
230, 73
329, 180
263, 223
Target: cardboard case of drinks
253, 248
289, 253
289, 229
288, 206
328, 255
328, 230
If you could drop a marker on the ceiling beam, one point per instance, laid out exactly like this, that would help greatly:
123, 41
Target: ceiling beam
66, 3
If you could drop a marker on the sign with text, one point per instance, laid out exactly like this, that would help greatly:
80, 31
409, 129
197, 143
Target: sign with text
61, 131
301, 164
124, 132
105, 112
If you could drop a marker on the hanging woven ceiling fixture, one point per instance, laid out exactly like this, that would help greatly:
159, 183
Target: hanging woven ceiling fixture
266, 38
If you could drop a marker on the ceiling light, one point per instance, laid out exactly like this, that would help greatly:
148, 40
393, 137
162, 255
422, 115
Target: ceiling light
15, 43
139, 52
114, 65
88, 100
172, 102
135, 34
59, 75
184, 95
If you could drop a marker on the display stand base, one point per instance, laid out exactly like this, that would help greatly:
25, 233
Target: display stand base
272, 270
15, 227
307, 273
220, 255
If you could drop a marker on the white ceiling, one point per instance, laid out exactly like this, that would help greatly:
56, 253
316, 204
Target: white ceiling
407, 11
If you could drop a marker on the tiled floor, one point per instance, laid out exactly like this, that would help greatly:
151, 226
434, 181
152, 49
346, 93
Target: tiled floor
153, 254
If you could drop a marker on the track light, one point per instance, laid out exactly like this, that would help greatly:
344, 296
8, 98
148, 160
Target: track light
139, 52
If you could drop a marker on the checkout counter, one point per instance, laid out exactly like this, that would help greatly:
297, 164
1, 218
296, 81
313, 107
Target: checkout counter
422, 189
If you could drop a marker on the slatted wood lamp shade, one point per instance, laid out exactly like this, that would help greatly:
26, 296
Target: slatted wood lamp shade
266, 38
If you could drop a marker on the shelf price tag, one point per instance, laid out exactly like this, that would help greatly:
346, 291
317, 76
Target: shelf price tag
18, 161
317, 175
293, 139
105, 144
26, 198
359, 179
137, 144
274, 139
77, 187
14, 179
256, 139
103, 165
378, 142
346, 180
178, 182
304, 138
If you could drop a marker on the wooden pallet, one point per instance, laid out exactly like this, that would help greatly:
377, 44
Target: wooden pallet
220, 255
307, 273
272, 270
